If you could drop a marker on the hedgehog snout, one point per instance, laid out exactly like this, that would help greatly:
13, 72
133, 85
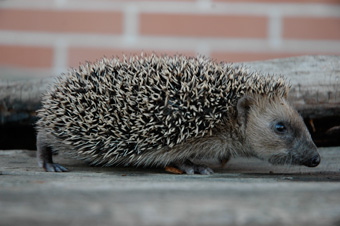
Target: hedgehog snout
313, 159
309, 154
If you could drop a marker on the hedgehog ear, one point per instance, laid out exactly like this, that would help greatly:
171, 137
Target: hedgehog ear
243, 106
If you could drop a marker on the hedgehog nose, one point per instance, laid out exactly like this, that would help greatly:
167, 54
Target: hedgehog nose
314, 161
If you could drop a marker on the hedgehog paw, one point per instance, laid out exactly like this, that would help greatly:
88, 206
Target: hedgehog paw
191, 168
54, 167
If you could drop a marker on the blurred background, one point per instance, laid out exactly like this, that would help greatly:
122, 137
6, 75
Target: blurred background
49, 36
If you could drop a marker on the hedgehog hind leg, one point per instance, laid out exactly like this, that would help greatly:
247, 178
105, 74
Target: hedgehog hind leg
223, 161
44, 156
191, 168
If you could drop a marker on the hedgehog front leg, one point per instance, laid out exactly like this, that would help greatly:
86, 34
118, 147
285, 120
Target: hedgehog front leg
44, 156
191, 168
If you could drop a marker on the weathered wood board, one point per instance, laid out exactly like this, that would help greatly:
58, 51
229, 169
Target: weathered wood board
315, 87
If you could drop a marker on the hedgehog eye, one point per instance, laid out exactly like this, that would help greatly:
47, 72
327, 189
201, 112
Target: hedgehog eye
280, 127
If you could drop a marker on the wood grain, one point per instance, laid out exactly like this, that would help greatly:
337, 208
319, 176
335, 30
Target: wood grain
315, 87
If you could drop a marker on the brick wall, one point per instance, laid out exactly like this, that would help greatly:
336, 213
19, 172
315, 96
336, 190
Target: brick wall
56, 34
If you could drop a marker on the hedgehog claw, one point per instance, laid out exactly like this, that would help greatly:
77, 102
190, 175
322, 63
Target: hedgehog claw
191, 168
206, 171
54, 167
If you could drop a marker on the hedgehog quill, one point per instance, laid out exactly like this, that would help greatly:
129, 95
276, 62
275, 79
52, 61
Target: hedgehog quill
170, 111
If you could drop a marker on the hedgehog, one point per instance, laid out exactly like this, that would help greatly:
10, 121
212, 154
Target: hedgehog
160, 111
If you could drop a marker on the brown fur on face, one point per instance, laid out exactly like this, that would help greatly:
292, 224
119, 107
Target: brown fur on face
274, 131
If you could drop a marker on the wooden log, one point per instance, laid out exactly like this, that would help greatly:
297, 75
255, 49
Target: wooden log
315, 82
20, 95
315, 87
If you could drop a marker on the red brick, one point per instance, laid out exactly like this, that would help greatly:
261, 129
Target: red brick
61, 21
78, 55
311, 28
26, 56
203, 25
244, 57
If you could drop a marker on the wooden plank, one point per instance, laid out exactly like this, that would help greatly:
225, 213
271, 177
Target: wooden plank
315, 82
315, 87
